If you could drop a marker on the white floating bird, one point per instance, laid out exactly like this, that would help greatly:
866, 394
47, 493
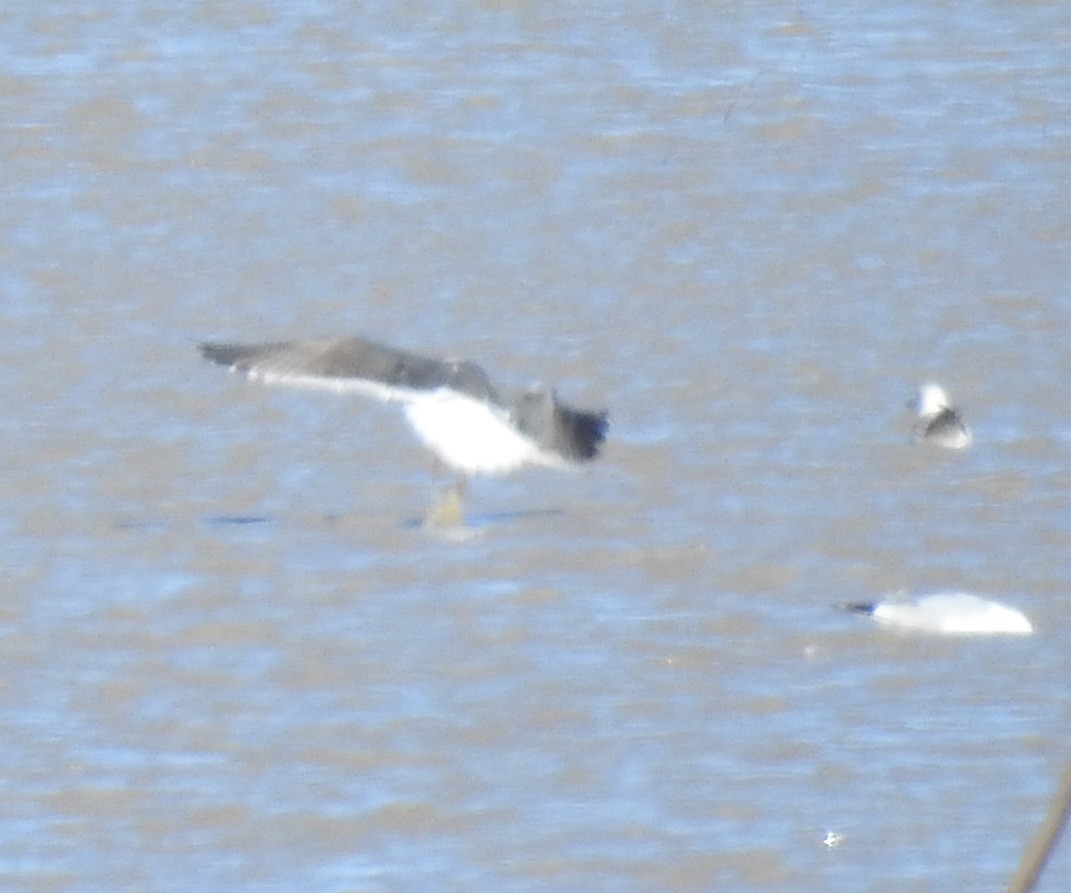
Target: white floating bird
938, 423
947, 613
451, 404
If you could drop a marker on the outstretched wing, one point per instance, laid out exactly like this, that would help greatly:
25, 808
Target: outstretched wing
353, 364
451, 404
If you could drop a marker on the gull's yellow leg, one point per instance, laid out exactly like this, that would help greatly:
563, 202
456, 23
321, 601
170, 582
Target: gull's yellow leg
450, 510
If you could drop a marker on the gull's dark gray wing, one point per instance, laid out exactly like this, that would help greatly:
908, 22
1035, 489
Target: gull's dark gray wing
946, 423
945, 429
356, 364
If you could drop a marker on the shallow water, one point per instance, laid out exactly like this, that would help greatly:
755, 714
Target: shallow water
232, 662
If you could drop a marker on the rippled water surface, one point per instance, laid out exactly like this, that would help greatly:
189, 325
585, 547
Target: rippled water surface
230, 660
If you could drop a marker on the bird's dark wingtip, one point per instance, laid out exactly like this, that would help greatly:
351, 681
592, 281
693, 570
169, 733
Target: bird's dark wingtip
224, 354
858, 607
231, 355
601, 427
586, 432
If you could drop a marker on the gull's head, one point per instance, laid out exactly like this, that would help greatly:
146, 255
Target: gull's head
930, 401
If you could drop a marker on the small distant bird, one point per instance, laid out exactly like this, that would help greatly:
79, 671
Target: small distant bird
938, 423
452, 405
947, 613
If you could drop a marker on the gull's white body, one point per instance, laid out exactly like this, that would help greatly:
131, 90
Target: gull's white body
472, 436
468, 435
950, 614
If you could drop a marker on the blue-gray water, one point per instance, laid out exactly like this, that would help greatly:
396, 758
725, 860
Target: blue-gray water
228, 660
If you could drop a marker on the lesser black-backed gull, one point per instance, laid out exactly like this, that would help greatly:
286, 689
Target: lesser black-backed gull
452, 405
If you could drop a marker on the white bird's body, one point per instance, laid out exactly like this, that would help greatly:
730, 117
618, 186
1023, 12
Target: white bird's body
472, 436
947, 613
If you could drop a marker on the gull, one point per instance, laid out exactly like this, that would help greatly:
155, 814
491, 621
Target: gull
451, 404
947, 613
938, 423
